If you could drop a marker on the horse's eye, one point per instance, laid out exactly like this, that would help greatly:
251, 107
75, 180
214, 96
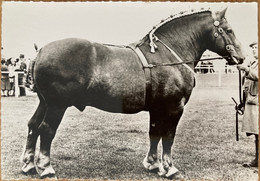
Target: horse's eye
229, 31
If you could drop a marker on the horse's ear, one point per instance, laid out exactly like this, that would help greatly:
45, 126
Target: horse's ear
35, 47
222, 13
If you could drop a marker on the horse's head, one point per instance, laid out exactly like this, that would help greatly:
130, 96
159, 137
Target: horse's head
224, 40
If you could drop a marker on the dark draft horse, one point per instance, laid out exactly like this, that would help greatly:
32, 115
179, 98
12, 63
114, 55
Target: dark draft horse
77, 72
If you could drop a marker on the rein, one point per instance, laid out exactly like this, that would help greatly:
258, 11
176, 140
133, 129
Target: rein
188, 62
174, 54
238, 109
240, 87
148, 65
181, 62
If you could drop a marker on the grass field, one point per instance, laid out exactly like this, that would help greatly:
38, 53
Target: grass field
98, 145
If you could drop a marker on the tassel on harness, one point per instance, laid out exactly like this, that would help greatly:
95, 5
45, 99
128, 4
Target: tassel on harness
152, 44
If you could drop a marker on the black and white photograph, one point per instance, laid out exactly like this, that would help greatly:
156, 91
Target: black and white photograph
129, 90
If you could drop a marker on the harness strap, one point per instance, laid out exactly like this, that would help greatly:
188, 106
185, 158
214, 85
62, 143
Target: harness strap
175, 54
147, 72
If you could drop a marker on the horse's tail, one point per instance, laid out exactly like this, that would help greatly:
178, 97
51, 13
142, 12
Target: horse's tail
34, 88
32, 75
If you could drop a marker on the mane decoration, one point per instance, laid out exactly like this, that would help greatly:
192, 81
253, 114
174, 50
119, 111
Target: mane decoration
172, 17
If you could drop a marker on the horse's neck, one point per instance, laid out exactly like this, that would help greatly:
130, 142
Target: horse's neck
187, 36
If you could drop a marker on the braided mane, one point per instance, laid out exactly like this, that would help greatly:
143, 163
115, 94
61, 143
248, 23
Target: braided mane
177, 16
170, 18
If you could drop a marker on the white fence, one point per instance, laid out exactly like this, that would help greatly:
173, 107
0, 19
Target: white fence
217, 68
16, 82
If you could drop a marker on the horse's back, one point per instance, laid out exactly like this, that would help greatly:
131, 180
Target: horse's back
81, 73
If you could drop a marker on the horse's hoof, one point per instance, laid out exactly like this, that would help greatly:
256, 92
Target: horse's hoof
49, 177
29, 169
162, 172
176, 176
172, 171
253, 163
48, 173
30, 172
150, 166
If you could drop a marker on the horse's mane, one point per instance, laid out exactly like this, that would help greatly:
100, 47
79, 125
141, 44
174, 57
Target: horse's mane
170, 19
178, 16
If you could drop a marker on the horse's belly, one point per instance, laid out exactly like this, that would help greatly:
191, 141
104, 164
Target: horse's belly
117, 92
117, 105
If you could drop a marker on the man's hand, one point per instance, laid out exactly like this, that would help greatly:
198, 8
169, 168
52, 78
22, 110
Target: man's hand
240, 108
243, 67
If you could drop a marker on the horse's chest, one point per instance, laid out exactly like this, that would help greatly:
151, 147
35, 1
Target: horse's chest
171, 85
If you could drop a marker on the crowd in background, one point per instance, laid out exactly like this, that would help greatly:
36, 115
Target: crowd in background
8, 68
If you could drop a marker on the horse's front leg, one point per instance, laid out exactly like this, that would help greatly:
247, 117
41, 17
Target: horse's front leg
151, 161
170, 123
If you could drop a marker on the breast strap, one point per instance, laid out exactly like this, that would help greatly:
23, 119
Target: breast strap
147, 72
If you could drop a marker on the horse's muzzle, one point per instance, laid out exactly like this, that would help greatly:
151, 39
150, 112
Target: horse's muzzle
234, 60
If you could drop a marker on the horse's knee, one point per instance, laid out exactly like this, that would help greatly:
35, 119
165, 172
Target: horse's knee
155, 128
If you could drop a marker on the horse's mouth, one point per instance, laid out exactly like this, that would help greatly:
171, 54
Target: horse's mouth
234, 60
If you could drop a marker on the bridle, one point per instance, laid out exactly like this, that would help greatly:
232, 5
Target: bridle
219, 31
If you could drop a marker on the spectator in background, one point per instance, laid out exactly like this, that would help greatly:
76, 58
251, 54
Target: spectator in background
16, 64
22, 77
11, 68
21, 66
250, 86
5, 83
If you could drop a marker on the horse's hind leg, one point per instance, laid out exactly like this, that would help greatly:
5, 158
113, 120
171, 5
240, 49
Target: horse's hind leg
47, 131
33, 133
151, 161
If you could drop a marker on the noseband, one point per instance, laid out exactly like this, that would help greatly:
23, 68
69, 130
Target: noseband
219, 31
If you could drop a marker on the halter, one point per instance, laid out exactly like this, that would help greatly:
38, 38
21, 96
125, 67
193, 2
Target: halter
219, 30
